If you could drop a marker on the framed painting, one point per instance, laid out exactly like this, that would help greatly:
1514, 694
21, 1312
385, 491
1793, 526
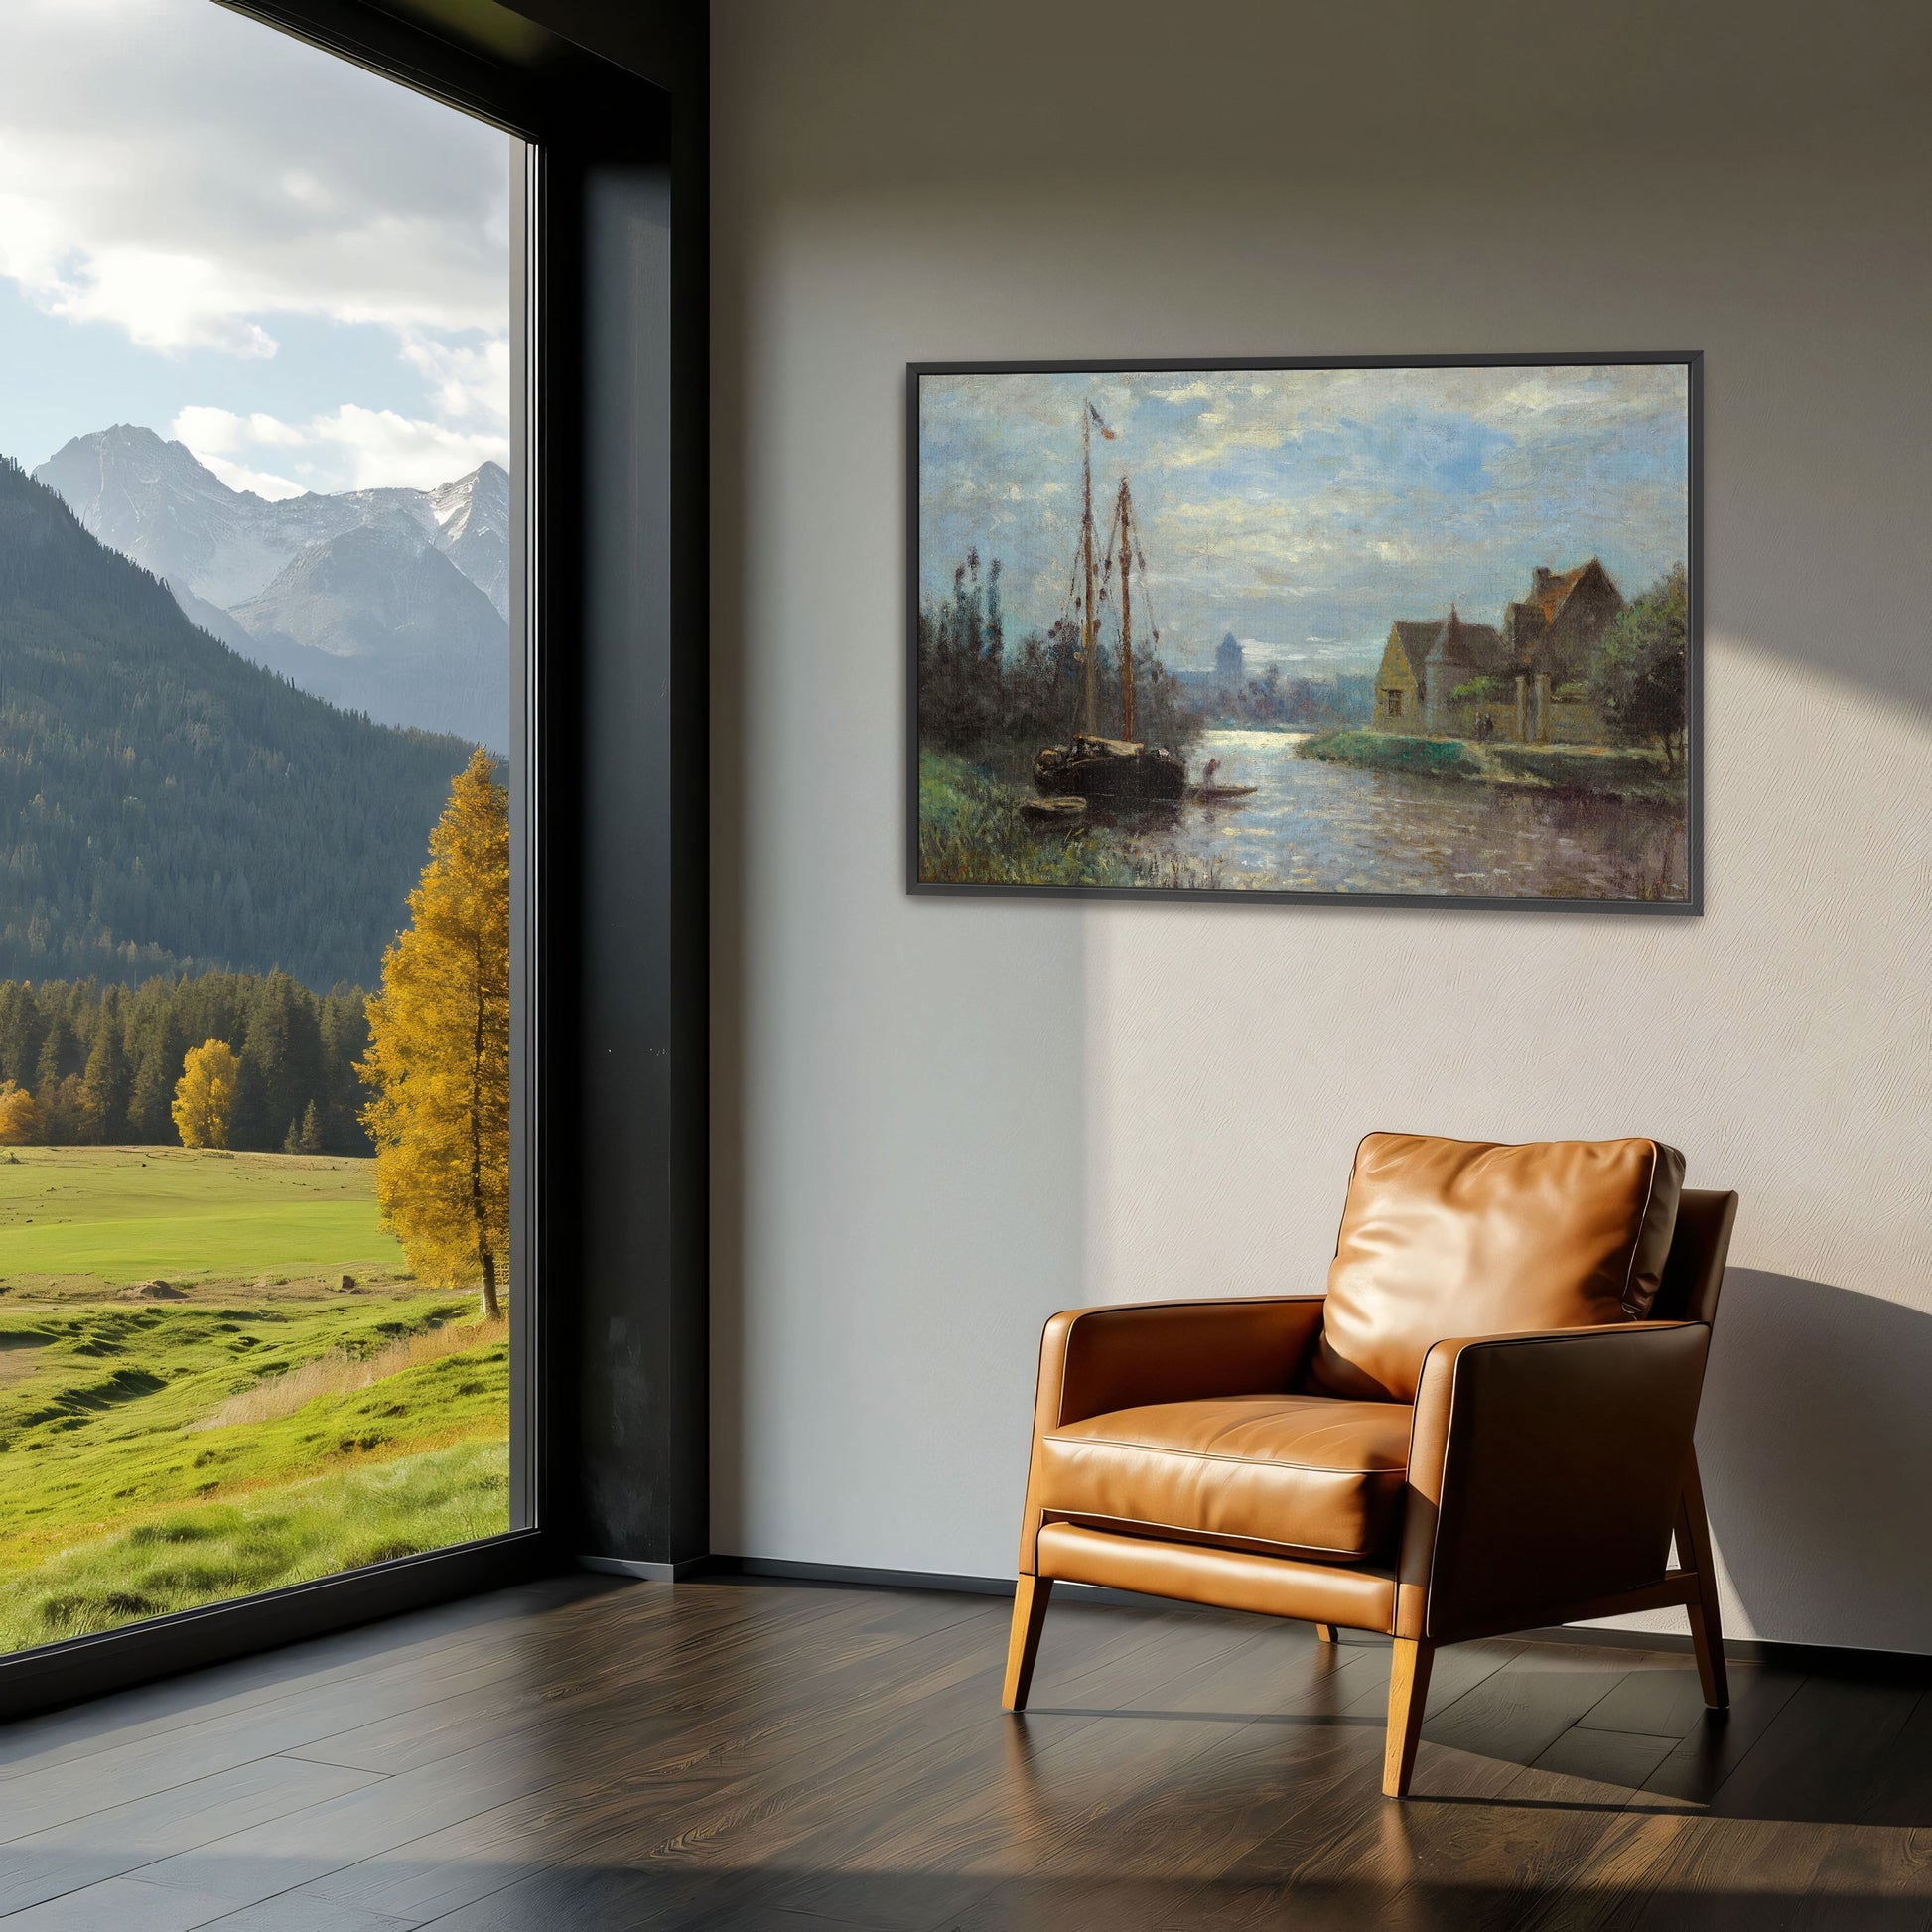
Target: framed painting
1417, 631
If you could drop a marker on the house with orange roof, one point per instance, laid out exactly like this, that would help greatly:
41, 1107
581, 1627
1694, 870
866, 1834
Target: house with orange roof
1526, 680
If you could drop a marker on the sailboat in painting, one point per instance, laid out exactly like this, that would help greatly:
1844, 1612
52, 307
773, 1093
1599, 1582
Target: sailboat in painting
1107, 770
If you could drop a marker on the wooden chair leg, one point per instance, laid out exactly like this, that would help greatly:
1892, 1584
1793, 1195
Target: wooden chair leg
1325, 1633
1023, 1645
1408, 1694
1694, 1552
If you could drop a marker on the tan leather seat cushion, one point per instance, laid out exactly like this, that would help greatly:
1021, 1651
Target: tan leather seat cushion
1293, 1474
1441, 1239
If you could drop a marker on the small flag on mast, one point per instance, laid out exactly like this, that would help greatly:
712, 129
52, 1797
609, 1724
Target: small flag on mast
1098, 424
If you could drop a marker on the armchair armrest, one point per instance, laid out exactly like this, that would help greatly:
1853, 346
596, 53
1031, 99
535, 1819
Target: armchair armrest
1093, 1361
1544, 1471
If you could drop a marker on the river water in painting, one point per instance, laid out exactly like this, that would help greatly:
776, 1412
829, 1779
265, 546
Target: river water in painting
1313, 826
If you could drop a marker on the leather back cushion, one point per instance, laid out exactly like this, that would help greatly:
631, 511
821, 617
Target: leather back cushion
1452, 1238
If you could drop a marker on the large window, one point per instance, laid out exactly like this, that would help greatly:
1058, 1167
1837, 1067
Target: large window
260, 638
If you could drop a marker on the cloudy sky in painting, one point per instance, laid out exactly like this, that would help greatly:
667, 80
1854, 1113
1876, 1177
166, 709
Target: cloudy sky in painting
295, 267
1306, 509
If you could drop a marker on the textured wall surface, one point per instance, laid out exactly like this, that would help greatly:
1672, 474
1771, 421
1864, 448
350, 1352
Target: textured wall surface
936, 1122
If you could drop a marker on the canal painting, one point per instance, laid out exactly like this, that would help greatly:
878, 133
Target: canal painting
1420, 633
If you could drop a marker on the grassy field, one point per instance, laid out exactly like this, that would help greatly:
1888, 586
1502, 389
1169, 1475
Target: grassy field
106, 1216
264, 1424
289, 1534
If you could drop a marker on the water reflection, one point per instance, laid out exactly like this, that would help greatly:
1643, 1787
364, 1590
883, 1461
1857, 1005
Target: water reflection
1312, 826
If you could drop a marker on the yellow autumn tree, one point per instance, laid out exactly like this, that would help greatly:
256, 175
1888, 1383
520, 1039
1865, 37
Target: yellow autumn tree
204, 1094
20, 1116
439, 1059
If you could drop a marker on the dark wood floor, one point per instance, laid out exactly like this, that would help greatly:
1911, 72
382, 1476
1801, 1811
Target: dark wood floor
582, 1753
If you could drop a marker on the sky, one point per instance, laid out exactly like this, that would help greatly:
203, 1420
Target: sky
297, 268
1304, 511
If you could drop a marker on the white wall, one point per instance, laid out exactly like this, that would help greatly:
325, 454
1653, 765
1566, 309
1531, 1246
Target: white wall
938, 1121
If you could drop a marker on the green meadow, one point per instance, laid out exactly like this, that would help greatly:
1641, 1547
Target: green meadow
289, 1403
105, 1216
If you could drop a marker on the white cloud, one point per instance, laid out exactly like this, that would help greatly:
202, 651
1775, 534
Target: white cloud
468, 379
302, 186
219, 436
346, 447
200, 183
263, 482
386, 448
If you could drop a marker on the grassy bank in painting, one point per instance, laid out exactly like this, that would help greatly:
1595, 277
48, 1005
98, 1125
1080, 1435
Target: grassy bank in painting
1603, 770
264, 1424
971, 833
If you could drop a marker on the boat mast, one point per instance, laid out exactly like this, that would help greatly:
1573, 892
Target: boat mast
1126, 621
1089, 630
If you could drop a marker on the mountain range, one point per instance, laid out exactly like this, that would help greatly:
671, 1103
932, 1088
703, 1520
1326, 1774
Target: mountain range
391, 602
167, 806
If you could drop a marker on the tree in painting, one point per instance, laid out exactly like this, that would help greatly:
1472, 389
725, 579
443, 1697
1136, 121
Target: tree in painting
1639, 681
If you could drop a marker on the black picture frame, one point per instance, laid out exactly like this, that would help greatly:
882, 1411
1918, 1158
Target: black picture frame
1691, 906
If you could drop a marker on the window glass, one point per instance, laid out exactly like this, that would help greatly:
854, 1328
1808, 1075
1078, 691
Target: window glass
256, 669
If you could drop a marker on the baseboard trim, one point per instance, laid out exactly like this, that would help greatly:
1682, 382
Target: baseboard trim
82, 1667
1823, 1660
650, 1573
781, 1570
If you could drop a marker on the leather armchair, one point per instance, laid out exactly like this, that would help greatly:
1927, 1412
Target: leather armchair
1462, 1484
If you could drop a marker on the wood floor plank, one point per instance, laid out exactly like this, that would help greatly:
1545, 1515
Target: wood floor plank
312, 1704
1484, 1835
295, 1847
574, 1678
496, 1848
83, 1786
1000, 1796
1292, 1842
771, 1834
1717, 1742
1613, 1763
1901, 1778
1510, 1718
1166, 1848
1674, 1872
911, 1823
121, 1905
294, 1912
758, 1756
125, 1837
31, 1746
1817, 1760
661, 1749
1660, 1697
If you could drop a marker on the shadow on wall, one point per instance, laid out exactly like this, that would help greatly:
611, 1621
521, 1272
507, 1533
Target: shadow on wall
1816, 1440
